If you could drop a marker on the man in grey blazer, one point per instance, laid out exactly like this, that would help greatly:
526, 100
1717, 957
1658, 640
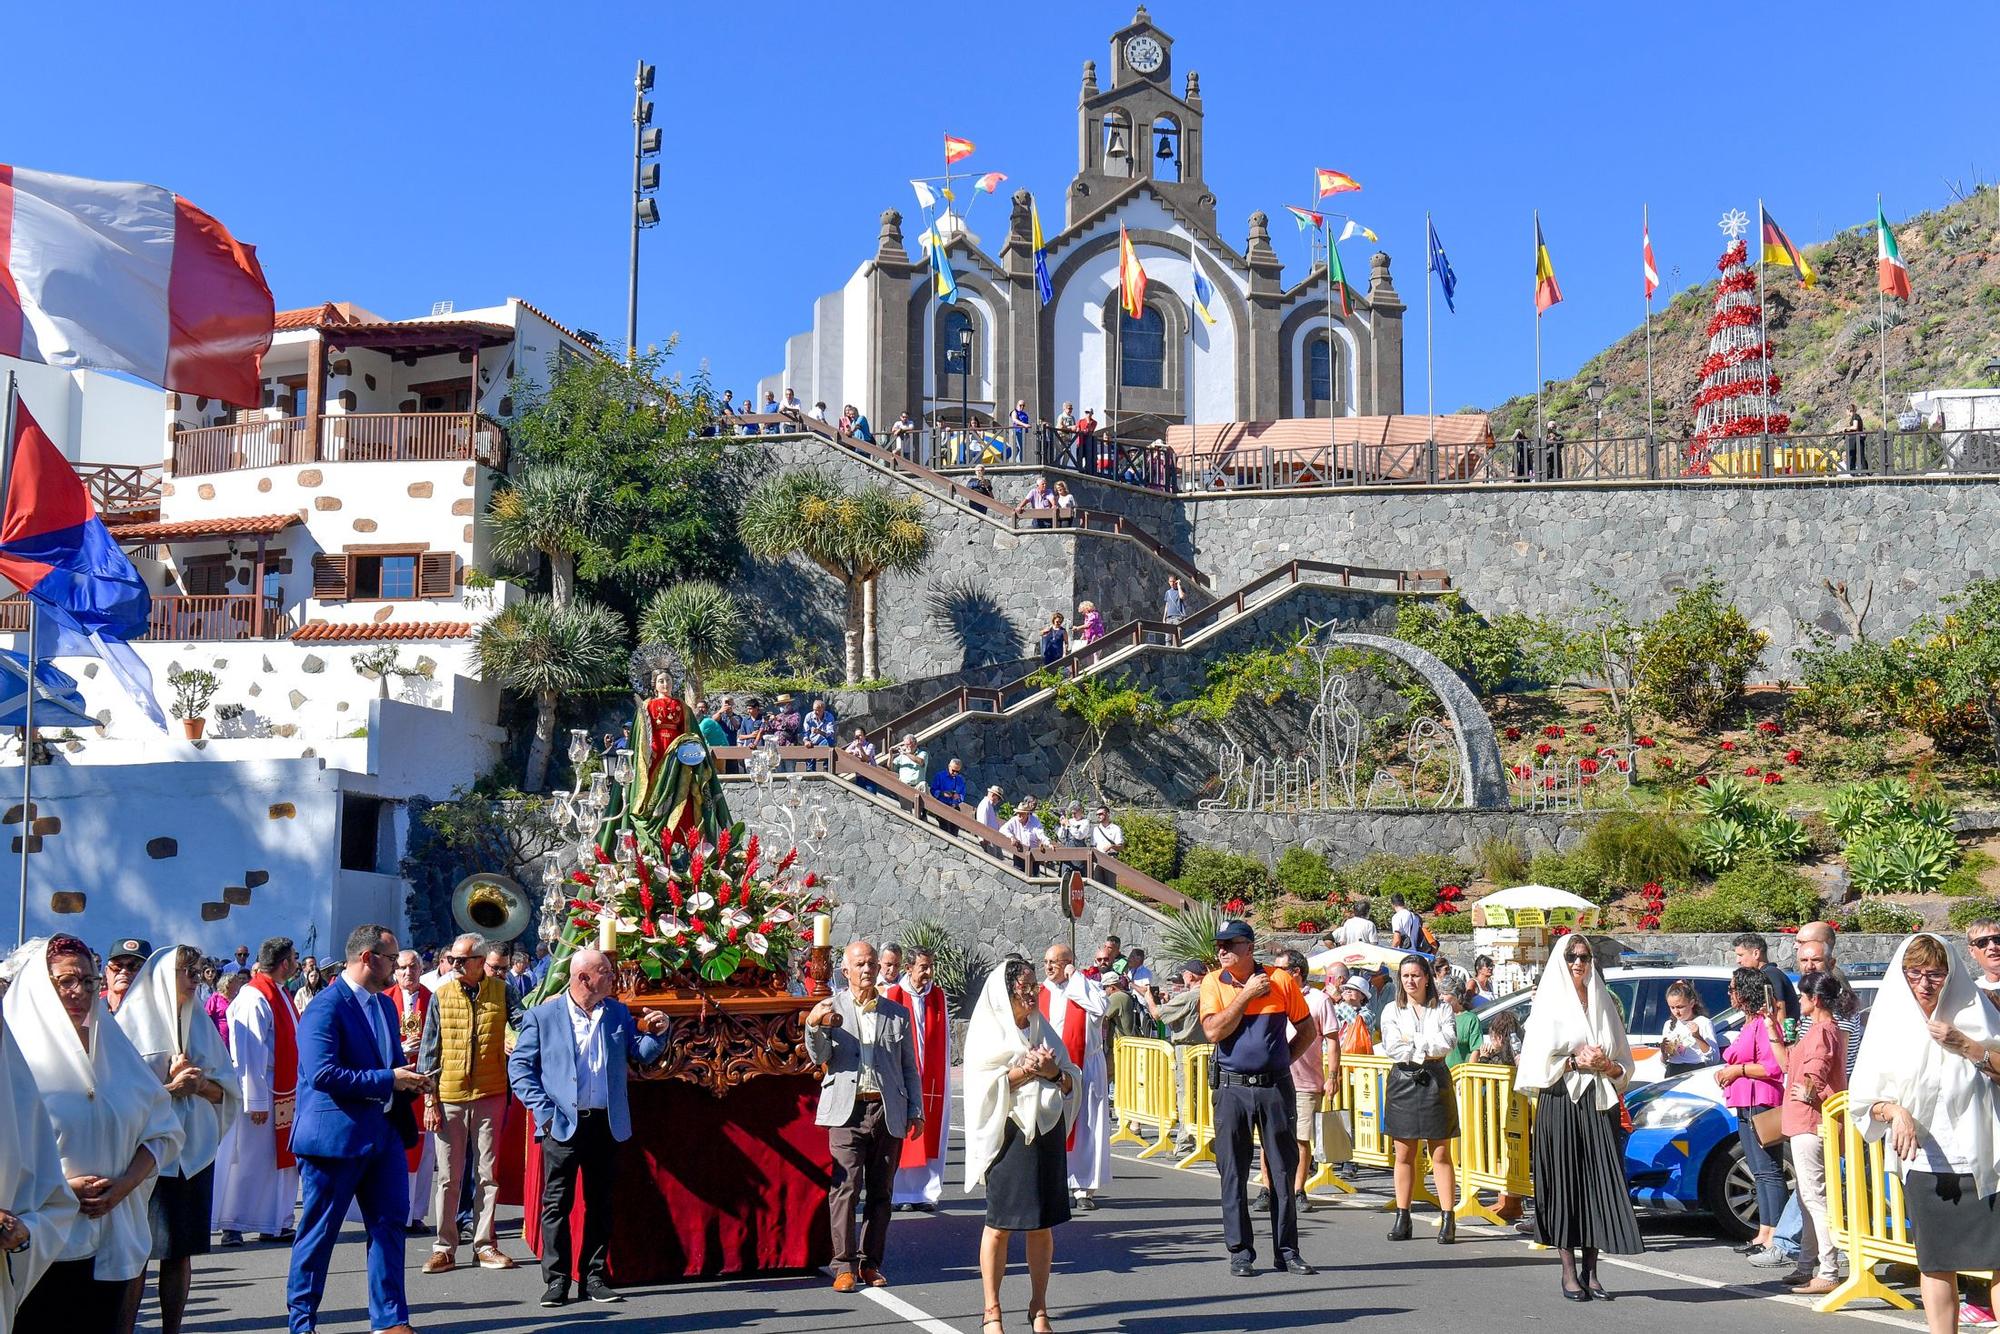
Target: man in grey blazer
869, 1099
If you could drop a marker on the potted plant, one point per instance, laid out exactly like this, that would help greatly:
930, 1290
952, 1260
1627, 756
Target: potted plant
381, 664
192, 692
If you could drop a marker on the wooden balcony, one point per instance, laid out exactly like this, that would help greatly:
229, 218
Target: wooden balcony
355, 437
214, 617
121, 489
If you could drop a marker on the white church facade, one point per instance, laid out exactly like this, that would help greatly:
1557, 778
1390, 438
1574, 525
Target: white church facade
887, 343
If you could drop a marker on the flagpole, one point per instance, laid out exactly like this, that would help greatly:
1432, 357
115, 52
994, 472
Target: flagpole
1763, 331
1646, 225
28, 717
1882, 320
1332, 416
1540, 430
1430, 375
1194, 346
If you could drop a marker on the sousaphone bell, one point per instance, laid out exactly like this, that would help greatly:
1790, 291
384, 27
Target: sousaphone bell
493, 905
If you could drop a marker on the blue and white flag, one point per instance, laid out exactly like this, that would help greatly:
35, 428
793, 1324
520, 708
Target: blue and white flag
57, 635
1203, 296
1441, 266
58, 703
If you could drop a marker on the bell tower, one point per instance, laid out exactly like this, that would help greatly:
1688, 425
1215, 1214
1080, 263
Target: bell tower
1136, 129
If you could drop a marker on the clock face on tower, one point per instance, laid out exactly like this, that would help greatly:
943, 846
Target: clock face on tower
1144, 53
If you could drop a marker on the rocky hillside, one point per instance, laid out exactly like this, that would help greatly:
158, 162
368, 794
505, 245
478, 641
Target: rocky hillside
1823, 340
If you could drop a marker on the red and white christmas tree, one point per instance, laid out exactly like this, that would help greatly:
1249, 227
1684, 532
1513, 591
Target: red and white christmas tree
1738, 395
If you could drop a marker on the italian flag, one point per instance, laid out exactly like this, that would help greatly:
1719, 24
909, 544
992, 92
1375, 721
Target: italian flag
1891, 274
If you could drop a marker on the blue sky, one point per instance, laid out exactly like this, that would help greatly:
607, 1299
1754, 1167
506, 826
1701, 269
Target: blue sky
398, 154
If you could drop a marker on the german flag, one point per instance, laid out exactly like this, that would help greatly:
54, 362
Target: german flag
1779, 250
1547, 292
1131, 276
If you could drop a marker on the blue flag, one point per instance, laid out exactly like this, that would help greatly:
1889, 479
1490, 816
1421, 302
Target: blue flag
1441, 266
1045, 290
57, 701
59, 635
1204, 296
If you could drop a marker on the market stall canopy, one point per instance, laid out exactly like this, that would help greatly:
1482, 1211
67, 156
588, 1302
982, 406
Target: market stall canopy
1535, 905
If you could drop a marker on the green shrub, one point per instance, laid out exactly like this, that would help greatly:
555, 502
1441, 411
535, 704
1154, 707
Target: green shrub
1215, 876
1488, 654
1152, 844
1889, 919
1380, 874
1451, 924
1637, 847
1757, 895
1303, 873
1965, 914
1779, 836
1964, 881
1308, 916
1855, 808
1576, 871
1503, 861
1694, 659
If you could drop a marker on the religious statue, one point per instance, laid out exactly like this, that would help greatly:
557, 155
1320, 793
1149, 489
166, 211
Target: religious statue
667, 716
680, 789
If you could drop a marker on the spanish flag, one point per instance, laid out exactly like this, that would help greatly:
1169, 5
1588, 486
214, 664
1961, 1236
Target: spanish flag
1131, 276
1333, 182
1547, 291
954, 149
1779, 250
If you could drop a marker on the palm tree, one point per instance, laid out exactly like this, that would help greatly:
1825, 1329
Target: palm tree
700, 621
554, 510
540, 649
855, 536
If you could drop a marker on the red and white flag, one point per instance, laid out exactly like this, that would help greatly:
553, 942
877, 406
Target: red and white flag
117, 276
1646, 246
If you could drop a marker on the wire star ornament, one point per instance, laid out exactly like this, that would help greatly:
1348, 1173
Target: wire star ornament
1734, 223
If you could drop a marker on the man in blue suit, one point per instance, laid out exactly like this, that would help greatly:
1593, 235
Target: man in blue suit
350, 1131
568, 1068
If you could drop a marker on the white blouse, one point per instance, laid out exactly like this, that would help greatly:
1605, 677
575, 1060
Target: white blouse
1416, 1034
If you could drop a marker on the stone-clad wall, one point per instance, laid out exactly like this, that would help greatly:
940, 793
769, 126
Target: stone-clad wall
1344, 837
1539, 549
889, 873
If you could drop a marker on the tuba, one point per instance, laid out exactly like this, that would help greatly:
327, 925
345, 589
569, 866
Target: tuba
491, 905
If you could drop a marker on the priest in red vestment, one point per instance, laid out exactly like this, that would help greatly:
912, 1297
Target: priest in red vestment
1074, 1006
920, 1169
412, 1000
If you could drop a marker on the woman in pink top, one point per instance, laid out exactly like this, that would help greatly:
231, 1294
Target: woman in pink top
1750, 1076
1815, 1070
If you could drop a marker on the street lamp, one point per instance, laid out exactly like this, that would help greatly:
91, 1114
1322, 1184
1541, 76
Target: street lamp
965, 385
1993, 370
645, 179
1594, 391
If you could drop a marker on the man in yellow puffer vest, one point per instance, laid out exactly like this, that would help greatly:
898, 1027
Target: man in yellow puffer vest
464, 1051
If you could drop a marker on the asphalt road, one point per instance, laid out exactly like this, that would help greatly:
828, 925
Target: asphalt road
1150, 1259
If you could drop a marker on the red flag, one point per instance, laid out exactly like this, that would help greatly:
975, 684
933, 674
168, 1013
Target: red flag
1651, 269
954, 149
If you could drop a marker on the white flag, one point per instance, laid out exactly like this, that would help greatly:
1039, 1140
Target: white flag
925, 199
1354, 229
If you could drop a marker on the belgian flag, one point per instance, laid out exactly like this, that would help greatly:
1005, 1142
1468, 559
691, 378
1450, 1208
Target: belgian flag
1779, 250
1547, 291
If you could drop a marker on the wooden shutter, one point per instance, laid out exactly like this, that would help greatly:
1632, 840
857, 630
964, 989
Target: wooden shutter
333, 577
205, 576
437, 574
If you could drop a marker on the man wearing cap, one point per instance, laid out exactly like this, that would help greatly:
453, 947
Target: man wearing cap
1244, 1011
121, 965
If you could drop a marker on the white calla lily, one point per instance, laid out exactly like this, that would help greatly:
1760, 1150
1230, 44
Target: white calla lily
778, 916
757, 942
700, 901
705, 943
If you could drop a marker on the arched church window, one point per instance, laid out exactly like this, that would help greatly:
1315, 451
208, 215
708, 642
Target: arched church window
954, 357
1319, 370
1143, 350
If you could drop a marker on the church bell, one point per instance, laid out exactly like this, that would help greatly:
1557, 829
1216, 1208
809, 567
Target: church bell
1117, 146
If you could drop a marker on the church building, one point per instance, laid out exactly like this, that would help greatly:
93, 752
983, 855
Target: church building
886, 342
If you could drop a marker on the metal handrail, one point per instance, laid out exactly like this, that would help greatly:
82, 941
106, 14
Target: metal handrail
922, 805
1140, 631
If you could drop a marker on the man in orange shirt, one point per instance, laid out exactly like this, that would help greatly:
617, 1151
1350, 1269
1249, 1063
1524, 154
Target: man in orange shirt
1245, 1010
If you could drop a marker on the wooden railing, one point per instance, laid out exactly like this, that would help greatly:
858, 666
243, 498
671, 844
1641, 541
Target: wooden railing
354, 437
210, 616
1094, 521
838, 764
998, 699
120, 488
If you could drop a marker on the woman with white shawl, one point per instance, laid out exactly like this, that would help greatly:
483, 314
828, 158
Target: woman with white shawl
114, 1127
1924, 1079
163, 1015
1576, 1058
37, 1207
1020, 1100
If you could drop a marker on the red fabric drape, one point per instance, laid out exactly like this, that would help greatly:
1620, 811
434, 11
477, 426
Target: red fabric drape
933, 1067
708, 1186
284, 1064
1075, 1027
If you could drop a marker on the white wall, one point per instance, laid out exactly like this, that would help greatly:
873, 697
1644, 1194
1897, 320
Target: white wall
857, 354
93, 417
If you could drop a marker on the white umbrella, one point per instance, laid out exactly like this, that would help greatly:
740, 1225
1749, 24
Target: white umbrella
1364, 957
1535, 905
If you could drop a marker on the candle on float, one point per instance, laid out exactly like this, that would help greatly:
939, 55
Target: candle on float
822, 931
607, 933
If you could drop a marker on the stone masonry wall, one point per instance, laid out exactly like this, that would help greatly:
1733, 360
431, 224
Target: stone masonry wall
1539, 549
888, 873
1345, 837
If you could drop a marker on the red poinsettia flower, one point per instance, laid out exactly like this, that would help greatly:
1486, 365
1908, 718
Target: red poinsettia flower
1751, 771
1645, 741
1728, 745
1513, 734
1768, 728
1553, 730
1665, 761
812, 878
1774, 777
1590, 729
1549, 781
1308, 927
1543, 748
1560, 932
1444, 910
1522, 771
1701, 780
1623, 766
1794, 755
1586, 766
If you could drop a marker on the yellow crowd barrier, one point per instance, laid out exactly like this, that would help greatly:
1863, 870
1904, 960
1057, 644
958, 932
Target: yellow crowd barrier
1144, 1094
1198, 1113
1864, 1202
1495, 1130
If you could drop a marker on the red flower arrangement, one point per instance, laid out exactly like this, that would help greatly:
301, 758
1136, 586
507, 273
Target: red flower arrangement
1235, 907
1523, 771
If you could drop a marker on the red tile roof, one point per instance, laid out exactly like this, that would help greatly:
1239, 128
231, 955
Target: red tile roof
187, 530
327, 632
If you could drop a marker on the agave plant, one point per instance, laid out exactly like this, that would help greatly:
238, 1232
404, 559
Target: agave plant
1780, 837
1858, 807
1725, 798
1719, 843
1934, 812
1903, 858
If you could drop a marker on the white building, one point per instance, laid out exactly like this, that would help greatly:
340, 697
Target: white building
283, 544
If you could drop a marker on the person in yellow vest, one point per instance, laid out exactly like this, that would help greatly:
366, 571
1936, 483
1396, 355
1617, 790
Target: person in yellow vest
464, 1051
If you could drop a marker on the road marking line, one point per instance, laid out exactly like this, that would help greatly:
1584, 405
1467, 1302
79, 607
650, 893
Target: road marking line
901, 1309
